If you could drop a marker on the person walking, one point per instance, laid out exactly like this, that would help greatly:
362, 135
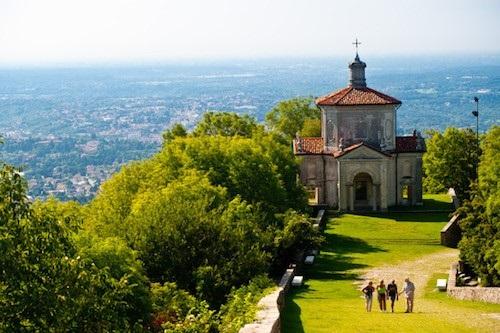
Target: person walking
381, 293
409, 291
392, 293
368, 292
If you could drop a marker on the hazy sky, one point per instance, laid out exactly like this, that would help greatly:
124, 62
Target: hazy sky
41, 31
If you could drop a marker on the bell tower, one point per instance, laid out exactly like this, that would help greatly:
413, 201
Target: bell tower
357, 69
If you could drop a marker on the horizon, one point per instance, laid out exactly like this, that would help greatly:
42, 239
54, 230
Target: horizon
446, 59
57, 32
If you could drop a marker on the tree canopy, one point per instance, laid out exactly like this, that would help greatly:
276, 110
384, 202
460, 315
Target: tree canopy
480, 244
225, 124
450, 161
172, 243
288, 117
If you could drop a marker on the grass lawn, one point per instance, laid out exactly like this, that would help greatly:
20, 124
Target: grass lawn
330, 300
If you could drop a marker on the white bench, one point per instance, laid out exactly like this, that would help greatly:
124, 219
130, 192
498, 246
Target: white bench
297, 281
309, 260
441, 284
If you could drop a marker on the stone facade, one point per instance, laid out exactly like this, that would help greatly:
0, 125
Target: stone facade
359, 162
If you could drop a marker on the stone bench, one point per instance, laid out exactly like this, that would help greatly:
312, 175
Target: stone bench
309, 260
297, 281
441, 284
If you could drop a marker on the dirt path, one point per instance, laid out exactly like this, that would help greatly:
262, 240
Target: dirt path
419, 271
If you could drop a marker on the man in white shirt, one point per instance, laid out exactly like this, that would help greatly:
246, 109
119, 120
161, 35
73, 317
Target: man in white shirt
409, 291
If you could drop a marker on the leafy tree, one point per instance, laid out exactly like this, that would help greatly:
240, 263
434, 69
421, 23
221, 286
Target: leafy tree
45, 285
176, 311
288, 117
311, 128
225, 124
258, 169
206, 247
177, 130
119, 261
298, 234
450, 161
480, 244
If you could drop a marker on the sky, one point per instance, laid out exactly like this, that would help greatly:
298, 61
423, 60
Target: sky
87, 31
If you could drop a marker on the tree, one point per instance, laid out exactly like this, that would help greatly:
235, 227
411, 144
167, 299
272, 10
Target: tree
225, 124
45, 285
311, 128
450, 161
207, 248
177, 311
177, 130
288, 117
480, 244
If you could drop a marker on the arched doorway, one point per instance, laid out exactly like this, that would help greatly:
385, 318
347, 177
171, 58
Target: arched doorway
364, 192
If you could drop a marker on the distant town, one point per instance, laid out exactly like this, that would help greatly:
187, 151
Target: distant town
70, 129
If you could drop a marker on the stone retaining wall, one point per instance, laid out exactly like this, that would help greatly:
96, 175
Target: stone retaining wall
483, 294
269, 316
451, 232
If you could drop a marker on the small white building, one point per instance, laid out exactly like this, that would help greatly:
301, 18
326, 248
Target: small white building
359, 163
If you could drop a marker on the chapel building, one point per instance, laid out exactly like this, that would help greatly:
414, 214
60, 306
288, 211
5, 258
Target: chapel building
359, 163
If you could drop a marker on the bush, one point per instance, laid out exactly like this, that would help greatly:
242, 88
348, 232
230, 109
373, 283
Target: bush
241, 306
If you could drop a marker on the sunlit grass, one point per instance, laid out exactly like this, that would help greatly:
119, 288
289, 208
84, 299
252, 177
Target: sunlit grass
330, 300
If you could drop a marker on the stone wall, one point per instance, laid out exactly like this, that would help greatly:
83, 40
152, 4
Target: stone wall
451, 232
269, 316
483, 294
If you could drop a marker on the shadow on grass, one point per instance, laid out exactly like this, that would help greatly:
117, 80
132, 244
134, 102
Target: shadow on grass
291, 321
428, 204
341, 244
413, 217
334, 263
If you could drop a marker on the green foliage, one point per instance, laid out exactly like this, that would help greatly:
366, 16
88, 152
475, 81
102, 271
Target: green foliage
288, 117
311, 128
176, 311
450, 161
225, 124
257, 169
480, 244
45, 285
120, 262
202, 212
241, 306
177, 130
298, 234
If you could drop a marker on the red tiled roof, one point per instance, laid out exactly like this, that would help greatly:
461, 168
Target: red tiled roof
315, 146
357, 96
308, 145
408, 144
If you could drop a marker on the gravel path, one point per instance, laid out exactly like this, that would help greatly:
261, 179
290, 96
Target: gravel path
419, 271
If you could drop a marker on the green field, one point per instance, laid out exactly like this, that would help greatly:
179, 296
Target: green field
386, 246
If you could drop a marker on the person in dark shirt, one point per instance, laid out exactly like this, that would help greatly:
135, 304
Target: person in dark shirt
368, 291
381, 295
392, 293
